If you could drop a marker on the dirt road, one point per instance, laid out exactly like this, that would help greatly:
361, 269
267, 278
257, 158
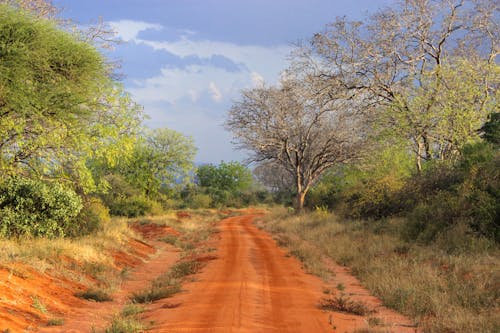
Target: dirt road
252, 286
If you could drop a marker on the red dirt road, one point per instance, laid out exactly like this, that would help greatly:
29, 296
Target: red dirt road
252, 286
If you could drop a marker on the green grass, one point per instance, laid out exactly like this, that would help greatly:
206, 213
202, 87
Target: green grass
127, 321
184, 268
439, 290
155, 293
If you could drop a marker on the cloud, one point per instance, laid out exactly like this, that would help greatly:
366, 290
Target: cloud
270, 60
128, 30
216, 94
196, 81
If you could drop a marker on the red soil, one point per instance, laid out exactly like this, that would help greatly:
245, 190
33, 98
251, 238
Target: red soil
247, 285
254, 286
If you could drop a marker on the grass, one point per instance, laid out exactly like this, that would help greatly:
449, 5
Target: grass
86, 259
96, 295
167, 284
439, 290
89, 261
127, 321
344, 304
38, 304
55, 322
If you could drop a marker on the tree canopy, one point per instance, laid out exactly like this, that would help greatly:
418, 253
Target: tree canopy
58, 105
295, 129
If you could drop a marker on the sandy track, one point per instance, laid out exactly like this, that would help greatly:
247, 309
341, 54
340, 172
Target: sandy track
251, 287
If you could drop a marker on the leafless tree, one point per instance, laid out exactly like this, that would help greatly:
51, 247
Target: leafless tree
398, 60
295, 129
99, 34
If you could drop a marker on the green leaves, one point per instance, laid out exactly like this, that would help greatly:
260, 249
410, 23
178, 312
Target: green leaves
224, 181
160, 158
33, 208
58, 105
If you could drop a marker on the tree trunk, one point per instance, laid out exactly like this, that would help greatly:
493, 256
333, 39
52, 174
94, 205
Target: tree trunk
420, 151
299, 204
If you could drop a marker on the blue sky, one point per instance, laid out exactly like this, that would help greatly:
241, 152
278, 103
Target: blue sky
185, 61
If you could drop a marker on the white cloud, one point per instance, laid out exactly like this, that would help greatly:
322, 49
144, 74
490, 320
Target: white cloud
128, 30
192, 96
216, 94
269, 60
192, 82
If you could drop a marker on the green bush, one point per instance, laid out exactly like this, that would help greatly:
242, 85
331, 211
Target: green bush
467, 195
198, 200
92, 217
131, 207
33, 208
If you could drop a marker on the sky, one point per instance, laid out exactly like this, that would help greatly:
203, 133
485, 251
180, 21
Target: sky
186, 61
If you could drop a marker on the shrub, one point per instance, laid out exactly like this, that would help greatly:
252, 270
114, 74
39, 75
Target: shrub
199, 200
131, 207
375, 198
34, 208
467, 195
92, 217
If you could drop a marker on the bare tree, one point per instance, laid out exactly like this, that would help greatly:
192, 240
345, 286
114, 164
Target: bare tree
39, 8
99, 33
274, 177
292, 127
409, 61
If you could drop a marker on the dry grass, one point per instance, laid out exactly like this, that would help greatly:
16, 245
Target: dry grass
442, 292
345, 304
127, 321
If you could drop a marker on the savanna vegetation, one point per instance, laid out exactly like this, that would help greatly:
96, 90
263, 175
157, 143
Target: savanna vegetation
78, 167
383, 134
387, 130
73, 148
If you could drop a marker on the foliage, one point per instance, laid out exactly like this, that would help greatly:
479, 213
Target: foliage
224, 183
34, 208
491, 129
131, 207
93, 216
466, 196
58, 105
161, 159
425, 70
367, 189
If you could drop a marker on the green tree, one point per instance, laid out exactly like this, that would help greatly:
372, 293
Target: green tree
224, 180
161, 158
429, 67
58, 104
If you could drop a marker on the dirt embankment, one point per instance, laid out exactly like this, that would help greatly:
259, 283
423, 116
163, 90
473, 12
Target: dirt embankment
31, 300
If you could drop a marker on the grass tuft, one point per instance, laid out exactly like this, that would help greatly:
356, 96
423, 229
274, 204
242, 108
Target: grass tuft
55, 322
38, 304
344, 304
96, 295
